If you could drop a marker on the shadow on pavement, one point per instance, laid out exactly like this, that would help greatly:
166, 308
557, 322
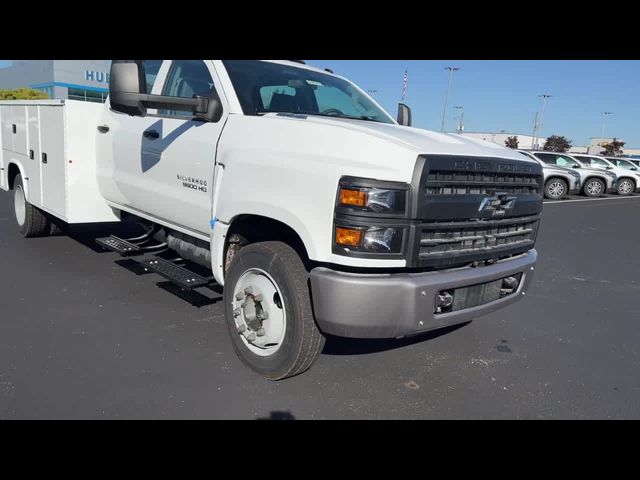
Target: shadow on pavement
358, 346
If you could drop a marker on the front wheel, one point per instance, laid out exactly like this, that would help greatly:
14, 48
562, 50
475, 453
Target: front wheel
626, 186
555, 189
268, 311
594, 187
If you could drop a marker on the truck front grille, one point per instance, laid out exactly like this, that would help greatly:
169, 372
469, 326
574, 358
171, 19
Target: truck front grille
444, 244
442, 182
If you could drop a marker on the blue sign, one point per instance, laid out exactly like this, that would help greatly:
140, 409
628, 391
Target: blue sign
95, 76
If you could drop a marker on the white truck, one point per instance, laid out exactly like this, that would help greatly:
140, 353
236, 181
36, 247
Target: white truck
315, 209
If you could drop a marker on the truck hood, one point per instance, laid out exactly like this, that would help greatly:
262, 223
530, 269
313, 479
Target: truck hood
419, 140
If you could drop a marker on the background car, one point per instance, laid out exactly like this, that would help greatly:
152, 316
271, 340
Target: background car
628, 181
595, 182
558, 181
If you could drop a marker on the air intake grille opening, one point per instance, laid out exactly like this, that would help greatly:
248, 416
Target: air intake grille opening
440, 182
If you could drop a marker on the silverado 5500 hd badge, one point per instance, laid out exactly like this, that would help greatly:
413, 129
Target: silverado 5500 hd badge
193, 183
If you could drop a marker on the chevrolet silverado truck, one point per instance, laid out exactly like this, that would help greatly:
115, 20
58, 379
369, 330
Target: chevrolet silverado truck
318, 212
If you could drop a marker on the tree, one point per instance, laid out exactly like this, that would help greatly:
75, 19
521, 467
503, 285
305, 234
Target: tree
512, 142
613, 148
22, 93
556, 143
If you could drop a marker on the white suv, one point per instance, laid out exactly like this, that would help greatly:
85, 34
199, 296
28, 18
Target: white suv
628, 181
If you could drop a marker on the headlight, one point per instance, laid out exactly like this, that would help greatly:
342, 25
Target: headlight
372, 196
369, 239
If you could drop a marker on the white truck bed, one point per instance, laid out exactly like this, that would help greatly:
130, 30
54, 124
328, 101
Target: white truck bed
52, 144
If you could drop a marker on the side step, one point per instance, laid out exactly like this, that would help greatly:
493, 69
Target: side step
177, 274
118, 245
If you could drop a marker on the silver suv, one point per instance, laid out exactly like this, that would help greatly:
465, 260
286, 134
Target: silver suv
595, 182
628, 180
558, 181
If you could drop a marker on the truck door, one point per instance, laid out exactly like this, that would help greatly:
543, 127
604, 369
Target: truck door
167, 168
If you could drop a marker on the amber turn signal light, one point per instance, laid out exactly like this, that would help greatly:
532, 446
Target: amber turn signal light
348, 237
353, 198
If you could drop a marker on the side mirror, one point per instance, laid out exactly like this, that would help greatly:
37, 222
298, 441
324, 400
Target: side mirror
128, 94
609, 167
634, 168
127, 86
576, 166
404, 115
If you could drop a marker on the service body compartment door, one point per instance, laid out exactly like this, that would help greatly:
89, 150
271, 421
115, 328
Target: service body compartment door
7, 133
32, 165
52, 160
19, 128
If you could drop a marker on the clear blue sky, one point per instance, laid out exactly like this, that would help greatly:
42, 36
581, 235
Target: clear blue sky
503, 94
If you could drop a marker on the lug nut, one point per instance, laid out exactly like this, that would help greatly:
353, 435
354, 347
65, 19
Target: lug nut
242, 328
263, 316
261, 332
236, 313
248, 291
258, 298
251, 337
239, 296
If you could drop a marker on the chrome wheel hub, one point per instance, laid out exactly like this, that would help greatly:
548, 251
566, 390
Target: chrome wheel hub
258, 312
594, 188
556, 190
625, 187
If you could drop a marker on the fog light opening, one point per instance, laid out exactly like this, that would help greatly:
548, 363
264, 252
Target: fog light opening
510, 285
444, 301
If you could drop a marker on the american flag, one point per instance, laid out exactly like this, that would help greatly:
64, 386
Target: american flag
404, 84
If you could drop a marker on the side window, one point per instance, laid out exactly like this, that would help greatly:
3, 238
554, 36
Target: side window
563, 161
586, 160
151, 68
547, 159
599, 163
186, 78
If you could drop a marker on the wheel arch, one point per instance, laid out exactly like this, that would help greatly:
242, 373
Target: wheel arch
254, 228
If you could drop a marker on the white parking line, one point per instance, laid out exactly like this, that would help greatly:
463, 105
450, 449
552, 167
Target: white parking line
592, 200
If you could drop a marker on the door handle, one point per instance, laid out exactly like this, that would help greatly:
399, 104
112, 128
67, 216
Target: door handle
151, 134
44, 157
31, 154
103, 128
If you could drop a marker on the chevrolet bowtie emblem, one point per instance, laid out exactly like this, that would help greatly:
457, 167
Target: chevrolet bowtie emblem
498, 204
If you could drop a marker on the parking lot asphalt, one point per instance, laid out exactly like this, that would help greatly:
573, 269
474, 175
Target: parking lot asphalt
82, 336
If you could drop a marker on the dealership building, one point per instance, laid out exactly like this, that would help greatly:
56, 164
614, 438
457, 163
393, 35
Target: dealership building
86, 80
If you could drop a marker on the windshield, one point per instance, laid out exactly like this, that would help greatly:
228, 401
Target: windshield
266, 87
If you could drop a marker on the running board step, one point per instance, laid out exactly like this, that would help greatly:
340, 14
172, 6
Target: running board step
118, 245
177, 274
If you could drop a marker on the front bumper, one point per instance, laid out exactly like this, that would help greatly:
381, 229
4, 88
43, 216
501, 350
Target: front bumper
403, 304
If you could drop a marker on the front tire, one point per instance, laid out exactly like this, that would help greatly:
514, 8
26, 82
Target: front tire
268, 311
555, 189
594, 187
31, 220
626, 186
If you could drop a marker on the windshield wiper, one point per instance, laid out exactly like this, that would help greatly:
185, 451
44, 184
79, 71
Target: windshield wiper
319, 114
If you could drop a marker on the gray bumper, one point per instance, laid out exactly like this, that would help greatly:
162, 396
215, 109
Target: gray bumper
402, 304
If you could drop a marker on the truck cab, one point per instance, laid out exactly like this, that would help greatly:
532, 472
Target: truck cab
316, 210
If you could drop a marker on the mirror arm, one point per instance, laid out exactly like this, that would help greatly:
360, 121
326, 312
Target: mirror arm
197, 104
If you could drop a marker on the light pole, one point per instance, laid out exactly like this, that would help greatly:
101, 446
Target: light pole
604, 124
460, 118
538, 125
446, 99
